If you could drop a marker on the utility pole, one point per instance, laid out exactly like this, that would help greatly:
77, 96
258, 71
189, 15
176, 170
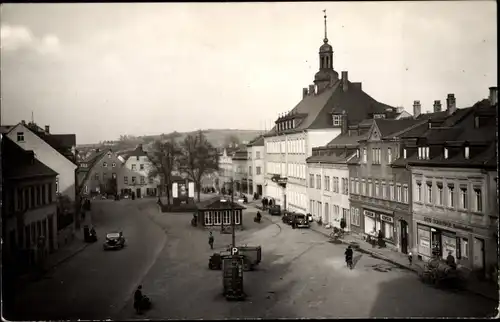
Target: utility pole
232, 212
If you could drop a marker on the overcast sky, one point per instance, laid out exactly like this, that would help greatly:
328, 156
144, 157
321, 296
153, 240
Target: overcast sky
101, 70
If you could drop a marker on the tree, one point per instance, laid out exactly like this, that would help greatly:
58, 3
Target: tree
164, 156
198, 158
232, 141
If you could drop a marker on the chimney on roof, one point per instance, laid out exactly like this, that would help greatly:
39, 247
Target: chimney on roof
493, 95
357, 86
345, 81
311, 90
47, 129
437, 106
304, 92
344, 125
451, 105
417, 109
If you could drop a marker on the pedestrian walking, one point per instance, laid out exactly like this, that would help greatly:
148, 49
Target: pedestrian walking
348, 256
138, 300
211, 240
410, 258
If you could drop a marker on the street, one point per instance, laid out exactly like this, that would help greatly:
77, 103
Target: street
301, 275
95, 283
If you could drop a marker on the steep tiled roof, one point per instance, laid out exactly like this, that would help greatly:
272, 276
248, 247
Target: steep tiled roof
389, 128
240, 155
346, 140
258, 141
318, 108
460, 128
340, 158
137, 152
215, 203
20, 164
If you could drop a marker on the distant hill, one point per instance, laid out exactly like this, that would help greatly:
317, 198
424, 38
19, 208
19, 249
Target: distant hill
218, 138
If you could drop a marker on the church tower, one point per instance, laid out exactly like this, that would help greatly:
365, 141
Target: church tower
326, 76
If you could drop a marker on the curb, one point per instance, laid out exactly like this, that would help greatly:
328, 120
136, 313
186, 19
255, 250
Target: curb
64, 259
382, 257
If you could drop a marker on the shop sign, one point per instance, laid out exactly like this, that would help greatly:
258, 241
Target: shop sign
387, 218
446, 224
369, 214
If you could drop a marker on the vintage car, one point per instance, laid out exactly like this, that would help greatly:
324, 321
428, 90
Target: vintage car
114, 240
301, 221
275, 210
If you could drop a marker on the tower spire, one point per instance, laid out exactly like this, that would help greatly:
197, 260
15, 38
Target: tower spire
326, 38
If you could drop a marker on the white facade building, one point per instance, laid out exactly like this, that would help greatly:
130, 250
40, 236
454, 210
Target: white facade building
48, 155
134, 177
256, 157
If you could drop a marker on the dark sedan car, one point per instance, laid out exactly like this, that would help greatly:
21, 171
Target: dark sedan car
114, 240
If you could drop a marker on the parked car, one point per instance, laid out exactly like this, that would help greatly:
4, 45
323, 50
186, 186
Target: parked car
114, 240
301, 221
287, 217
275, 210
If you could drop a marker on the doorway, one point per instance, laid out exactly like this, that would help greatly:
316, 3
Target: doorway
404, 236
259, 189
138, 193
479, 255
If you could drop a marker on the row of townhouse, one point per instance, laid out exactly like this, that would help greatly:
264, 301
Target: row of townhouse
38, 192
245, 166
106, 171
428, 183
327, 108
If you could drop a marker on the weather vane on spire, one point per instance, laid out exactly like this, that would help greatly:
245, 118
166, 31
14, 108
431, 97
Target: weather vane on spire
326, 38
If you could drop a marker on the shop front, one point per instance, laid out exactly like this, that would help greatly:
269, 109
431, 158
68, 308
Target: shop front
440, 237
375, 221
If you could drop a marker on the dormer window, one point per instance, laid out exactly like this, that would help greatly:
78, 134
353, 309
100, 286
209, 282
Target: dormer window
466, 152
364, 155
404, 153
423, 153
445, 153
379, 116
476, 122
357, 153
336, 120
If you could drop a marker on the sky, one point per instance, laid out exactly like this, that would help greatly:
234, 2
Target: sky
105, 70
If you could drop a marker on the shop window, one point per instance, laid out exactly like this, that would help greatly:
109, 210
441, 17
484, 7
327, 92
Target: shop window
237, 217
208, 218
478, 199
388, 230
464, 248
355, 216
463, 198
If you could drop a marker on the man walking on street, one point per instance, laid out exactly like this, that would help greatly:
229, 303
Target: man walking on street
138, 300
211, 240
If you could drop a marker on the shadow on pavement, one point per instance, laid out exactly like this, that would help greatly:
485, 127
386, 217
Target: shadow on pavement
400, 297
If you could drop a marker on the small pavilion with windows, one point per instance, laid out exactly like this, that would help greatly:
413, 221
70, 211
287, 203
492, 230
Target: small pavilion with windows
216, 212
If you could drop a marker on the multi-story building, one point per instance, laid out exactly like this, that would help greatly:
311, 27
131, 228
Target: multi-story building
256, 165
380, 194
328, 188
58, 152
454, 178
29, 205
134, 175
99, 173
325, 107
225, 168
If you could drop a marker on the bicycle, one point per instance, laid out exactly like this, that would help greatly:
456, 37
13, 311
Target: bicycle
337, 233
